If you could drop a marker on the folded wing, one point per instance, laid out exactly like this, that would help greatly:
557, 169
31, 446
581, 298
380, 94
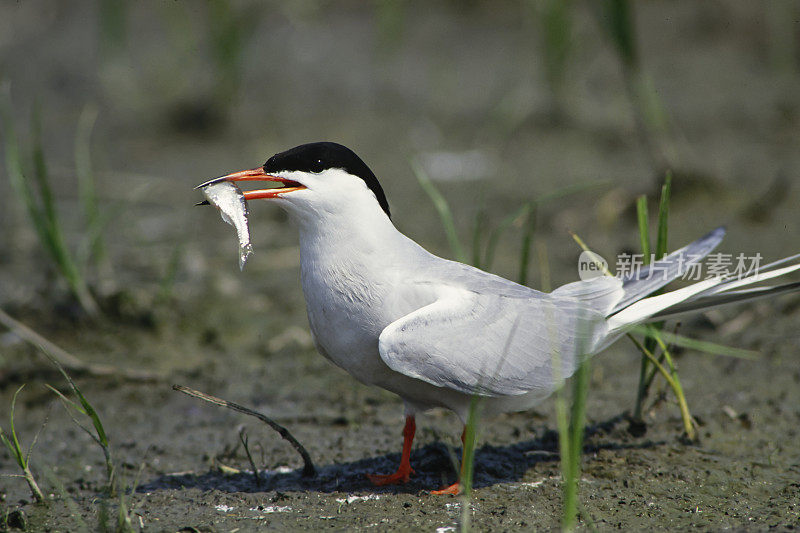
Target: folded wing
494, 345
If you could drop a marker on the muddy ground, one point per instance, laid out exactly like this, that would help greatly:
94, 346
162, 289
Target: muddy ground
393, 84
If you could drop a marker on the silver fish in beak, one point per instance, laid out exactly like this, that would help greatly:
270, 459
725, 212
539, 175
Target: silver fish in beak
229, 199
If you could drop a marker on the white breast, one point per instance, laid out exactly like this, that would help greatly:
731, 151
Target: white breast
346, 317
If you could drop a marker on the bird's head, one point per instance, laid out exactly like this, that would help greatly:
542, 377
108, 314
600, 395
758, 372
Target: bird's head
313, 178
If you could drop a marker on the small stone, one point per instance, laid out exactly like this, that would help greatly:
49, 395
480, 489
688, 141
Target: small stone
16, 519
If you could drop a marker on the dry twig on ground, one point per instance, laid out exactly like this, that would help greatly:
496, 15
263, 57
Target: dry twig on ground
308, 465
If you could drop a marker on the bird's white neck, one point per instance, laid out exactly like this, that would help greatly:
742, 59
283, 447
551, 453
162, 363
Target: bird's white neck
347, 231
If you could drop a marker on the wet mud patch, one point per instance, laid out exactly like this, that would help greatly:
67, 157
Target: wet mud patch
180, 450
435, 465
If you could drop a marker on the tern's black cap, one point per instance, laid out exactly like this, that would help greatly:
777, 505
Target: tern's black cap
319, 156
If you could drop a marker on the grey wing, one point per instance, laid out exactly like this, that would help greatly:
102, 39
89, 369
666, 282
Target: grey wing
658, 274
492, 345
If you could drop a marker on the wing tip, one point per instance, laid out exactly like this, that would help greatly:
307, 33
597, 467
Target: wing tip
718, 232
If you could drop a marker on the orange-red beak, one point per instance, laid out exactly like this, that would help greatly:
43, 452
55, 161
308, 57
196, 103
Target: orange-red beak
257, 174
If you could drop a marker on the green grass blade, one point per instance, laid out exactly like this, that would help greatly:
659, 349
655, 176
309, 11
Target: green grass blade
41, 211
580, 384
620, 23
477, 236
15, 449
443, 209
496, 233
567, 474
54, 238
470, 435
89, 410
572, 447
525, 246
670, 375
644, 230
596, 259
91, 413
71, 403
9, 445
468, 461
642, 216
544, 266
95, 249
663, 215
556, 18
16, 172
100, 433
13, 444
575, 433
651, 341
34, 441
40, 174
694, 344
67, 403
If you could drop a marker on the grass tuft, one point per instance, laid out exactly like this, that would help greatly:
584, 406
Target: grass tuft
22, 458
34, 191
653, 333
85, 408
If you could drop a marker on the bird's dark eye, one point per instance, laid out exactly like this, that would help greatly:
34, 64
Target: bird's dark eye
316, 166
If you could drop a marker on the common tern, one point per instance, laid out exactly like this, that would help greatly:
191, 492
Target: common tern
436, 332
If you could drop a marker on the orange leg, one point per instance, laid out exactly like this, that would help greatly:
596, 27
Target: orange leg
455, 488
404, 471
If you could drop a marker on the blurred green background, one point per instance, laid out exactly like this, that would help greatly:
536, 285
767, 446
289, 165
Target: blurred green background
500, 101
